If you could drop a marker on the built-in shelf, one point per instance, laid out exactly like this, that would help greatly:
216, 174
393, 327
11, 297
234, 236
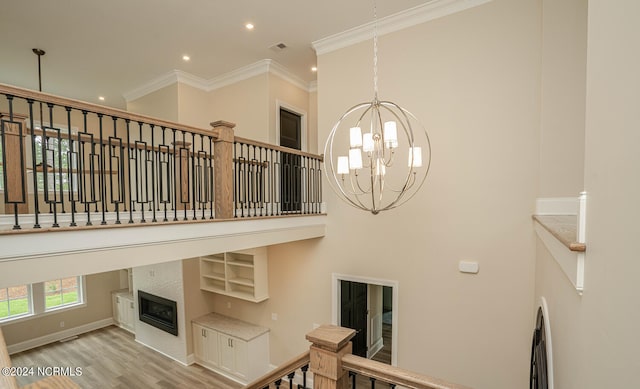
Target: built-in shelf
560, 223
241, 274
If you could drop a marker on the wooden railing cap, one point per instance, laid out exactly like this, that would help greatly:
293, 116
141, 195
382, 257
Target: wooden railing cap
222, 123
330, 337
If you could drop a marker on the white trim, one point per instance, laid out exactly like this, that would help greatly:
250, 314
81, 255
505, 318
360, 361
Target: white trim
240, 74
571, 262
162, 352
335, 305
430, 10
303, 122
279, 70
51, 338
151, 86
237, 75
191, 359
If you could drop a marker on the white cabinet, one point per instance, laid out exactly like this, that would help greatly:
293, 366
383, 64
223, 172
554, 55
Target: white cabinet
205, 345
231, 347
241, 274
124, 312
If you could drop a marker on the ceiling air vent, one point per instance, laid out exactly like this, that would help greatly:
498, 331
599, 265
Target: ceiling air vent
278, 47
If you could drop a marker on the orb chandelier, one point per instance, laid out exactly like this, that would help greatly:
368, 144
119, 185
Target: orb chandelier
378, 154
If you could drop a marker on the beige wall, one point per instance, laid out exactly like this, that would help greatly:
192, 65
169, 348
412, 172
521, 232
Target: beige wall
99, 307
246, 104
197, 302
595, 336
161, 104
564, 56
473, 79
194, 107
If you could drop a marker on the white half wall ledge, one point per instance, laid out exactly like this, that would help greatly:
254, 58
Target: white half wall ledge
571, 261
37, 257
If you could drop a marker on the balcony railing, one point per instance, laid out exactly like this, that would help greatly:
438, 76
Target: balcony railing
67, 163
332, 365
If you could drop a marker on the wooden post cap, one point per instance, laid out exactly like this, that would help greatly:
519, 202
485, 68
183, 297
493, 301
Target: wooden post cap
222, 123
330, 337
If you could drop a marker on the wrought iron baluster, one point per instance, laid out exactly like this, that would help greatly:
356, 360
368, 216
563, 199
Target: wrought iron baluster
291, 376
36, 204
129, 159
72, 166
175, 180
212, 177
152, 154
103, 181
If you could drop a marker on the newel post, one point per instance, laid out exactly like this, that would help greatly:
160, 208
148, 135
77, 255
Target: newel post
330, 344
223, 168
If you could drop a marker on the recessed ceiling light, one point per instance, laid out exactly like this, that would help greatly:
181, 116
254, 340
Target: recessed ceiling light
101, 98
314, 69
186, 58
249, 26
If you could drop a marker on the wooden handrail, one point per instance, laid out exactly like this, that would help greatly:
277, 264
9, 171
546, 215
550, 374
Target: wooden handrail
107, 111
281, 371
394, 375
278, 148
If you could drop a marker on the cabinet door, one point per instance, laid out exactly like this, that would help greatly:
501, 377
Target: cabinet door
122, 310
227, 355
131, 314
205, 344
199, 342
241, 359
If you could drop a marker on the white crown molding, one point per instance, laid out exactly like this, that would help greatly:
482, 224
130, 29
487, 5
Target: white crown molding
431, 10
313, 86
284, 73
151, 86
240, 74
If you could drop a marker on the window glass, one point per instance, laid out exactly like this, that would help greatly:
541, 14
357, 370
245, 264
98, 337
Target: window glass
62, 292
15, 301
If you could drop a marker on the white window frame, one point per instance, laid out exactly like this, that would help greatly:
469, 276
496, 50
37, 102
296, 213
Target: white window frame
37, 302
29, 302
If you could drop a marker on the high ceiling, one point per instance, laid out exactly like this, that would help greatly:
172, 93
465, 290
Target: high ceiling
106, 48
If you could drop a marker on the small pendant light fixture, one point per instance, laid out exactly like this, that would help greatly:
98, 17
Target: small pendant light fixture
377, 155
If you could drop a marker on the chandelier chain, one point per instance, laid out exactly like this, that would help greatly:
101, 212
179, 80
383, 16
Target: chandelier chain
375, 51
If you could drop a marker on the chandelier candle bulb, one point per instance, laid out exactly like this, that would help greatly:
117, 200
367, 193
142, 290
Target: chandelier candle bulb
415, 157
367, 142
355, 159
356, 137
343, 165
390, 135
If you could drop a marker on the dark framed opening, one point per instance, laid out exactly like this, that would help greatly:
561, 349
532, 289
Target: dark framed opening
290, 164
158, 312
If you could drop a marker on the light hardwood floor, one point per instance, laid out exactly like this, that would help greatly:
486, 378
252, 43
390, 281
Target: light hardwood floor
111, 358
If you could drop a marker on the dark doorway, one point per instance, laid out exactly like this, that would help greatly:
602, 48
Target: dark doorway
538, 372
353, 313
290, 171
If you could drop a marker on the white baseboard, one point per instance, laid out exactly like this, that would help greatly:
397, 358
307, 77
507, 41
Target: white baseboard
56, 336
191, 359
183, 363
377, 346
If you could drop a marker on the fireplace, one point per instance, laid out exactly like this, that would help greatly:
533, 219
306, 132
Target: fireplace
158, 312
